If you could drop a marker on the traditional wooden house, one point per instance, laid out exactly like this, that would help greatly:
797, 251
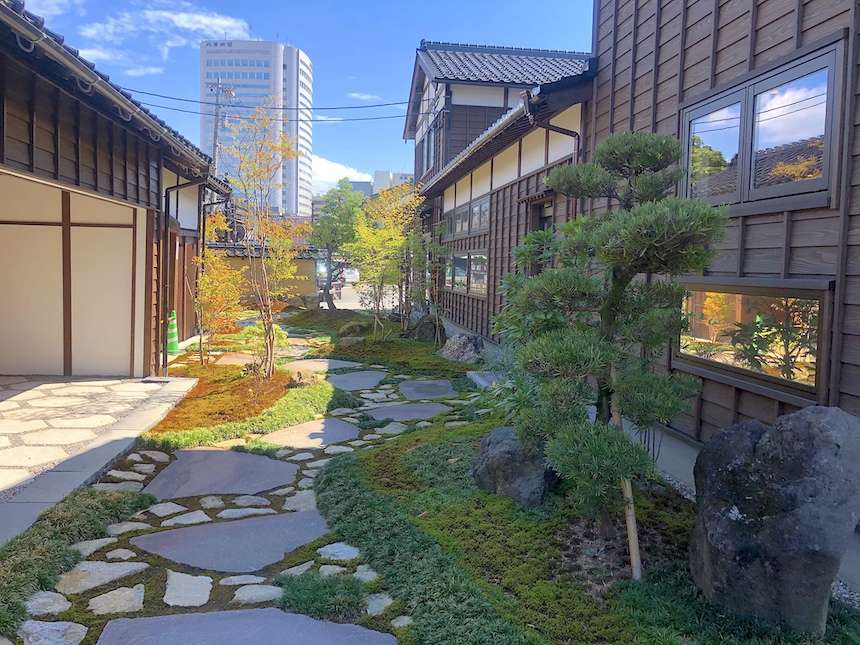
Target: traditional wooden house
763, 97
99, 208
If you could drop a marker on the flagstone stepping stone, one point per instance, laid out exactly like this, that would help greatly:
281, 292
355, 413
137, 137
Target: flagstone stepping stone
89, 575
134, 457
319, 365
37, 632
314, 434
120, 554
166, 508
231, 581
372, 436
88, 547
378, 603
119, 601
337, 412
328, 570
319, 463
430, 389
365, 574
366, 380
134, 487
253, 594
373, 396
299, 569
337, 450
409, 411
357, 443
29, 456
236, 513
302, 456
269, 626
185, 590
304, 500
126, 527
194, 517
313, 472
58, 402
210, 502
205, 471
306, 483
423, 424
243, 546
146, 469
351, 420
251, 500
47, 602
339, 552
393, 428
283, 491
402, 621
155, 455
126, 475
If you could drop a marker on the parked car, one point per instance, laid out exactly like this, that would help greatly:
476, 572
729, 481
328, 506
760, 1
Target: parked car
350, 276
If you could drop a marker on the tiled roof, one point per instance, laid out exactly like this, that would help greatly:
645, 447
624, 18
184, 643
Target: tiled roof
499, 65
37, 22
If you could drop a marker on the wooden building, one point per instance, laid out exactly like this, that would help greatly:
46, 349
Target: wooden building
763, 96
99, 208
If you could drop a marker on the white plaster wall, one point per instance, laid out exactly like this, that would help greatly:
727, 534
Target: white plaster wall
31, 293
29, 201
86, 210
481, 180
448, 199
101, 301
141, 358
561, 145
464, 190
534, 146
184, 201
505, 166
477, 95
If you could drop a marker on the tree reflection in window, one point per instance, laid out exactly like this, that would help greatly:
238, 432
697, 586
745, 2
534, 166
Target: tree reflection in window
714, 141
460, 272
774, 335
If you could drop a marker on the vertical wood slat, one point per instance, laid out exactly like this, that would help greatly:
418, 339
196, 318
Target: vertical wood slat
682, 51
77, 138
31, 108
3, 98
742, 234
67, 281
798, 24
612, 65
786, 244
715, 31
149, 319
635, 35
96, 161
56, 101
656, 57
751, 35
133, 290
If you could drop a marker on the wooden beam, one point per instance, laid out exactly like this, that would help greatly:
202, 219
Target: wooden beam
634, 36
3, 110
612, 64
55, 95
77, 137
798, 24
67, 281
715, 32
31, 108
786, 243
655, 75
741, 243
133, 290
148, 290
751, 35
681, 55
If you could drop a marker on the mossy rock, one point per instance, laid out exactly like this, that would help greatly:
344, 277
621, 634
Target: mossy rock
354, 328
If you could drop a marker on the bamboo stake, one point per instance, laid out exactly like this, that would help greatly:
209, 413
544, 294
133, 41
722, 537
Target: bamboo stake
632, 532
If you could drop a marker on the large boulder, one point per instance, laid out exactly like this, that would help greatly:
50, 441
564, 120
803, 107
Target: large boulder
425, 331
777, 506
310, 300
463, 349
505, 467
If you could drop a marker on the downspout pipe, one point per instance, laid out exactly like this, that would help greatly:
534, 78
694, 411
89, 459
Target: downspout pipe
526, 96
166, 260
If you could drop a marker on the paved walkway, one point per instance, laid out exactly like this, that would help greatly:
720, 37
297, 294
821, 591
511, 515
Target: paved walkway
226, 524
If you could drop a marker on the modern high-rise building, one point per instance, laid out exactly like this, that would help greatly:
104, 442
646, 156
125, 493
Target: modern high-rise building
244, 74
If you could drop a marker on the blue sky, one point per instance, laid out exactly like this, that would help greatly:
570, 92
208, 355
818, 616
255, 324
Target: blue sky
363, 53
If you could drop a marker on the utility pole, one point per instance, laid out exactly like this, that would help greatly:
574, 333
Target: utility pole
222, 92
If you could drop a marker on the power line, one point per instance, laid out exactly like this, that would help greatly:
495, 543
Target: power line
332, 120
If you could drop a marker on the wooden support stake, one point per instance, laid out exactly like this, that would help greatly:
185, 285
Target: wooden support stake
632, 533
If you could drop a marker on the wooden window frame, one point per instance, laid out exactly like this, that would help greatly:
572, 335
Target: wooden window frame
477, 203
448, 285
746, 199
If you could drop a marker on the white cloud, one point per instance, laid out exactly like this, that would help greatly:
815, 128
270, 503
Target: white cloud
103, 55
363, 97
50, 8
793, 114
327, 173
144, 70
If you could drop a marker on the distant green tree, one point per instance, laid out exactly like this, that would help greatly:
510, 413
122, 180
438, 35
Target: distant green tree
335, 227
704, 160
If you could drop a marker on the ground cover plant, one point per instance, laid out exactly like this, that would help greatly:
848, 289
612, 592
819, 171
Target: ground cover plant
37, 558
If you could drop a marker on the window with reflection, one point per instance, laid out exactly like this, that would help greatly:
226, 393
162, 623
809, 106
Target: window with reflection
461, 220
713, 152
772, 335
460, 272
480, 218
478, 274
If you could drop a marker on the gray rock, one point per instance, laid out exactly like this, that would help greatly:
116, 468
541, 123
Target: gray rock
357, 443
351, 340
306, 483
211, 502
328, 570
304, 500
194, 517
134, 457
133, 487
312, 435
313, 472
232, 581
302, 456
184, 590
253, 594
126, 527
319, 463
338, 412
402, 621
365, 380
167, 508
236, 513
146, 469
339, 552
426, 331
120, 554
251, 500
393, 428
409, 411
374, 396
337, 450
47, 602
365, 573
89, 575
378, 603
283, 491
155, 455
89, 547
283, 453
372, 436
776, 509
36, 632
119, 601
431, 389
126, 475
463, 349
423, 424
504, 467
310, 300
299, 569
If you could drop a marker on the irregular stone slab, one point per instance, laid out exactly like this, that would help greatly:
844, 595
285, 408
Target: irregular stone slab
55, 437
393, 428
319, 365
126, 527
339, 552
79, 390
338, 412
184, 590
378, 603
409, 411
231, 581
261, 626
251, 500
120, 554
89, 422
134, 487
58, 402
283, 491
195, 517
155, 455
319, 463
236, 513
126, 475
423, 424
47, 602
328, 570
206, 471
373, 396
89, 575
302, 456
304, 500
166, 508
351, 420
314, 434
210, 502
88, 547
30, 456
253, 594
435, 389
119, 601
313, 472
372, 436
306, 483
243, 546
36, 632
366, 380
365, 573
134, 457
401, 621
299, 569
357, 443
146, 469
337, 450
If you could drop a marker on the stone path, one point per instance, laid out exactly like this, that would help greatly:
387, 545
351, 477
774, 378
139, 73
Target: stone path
224, 528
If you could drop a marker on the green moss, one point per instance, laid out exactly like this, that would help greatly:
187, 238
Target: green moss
403, 356
337, 598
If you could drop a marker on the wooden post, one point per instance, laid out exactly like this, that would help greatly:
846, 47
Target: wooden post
632, 532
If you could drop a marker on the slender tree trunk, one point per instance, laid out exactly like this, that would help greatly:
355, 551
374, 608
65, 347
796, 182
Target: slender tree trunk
329, 263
